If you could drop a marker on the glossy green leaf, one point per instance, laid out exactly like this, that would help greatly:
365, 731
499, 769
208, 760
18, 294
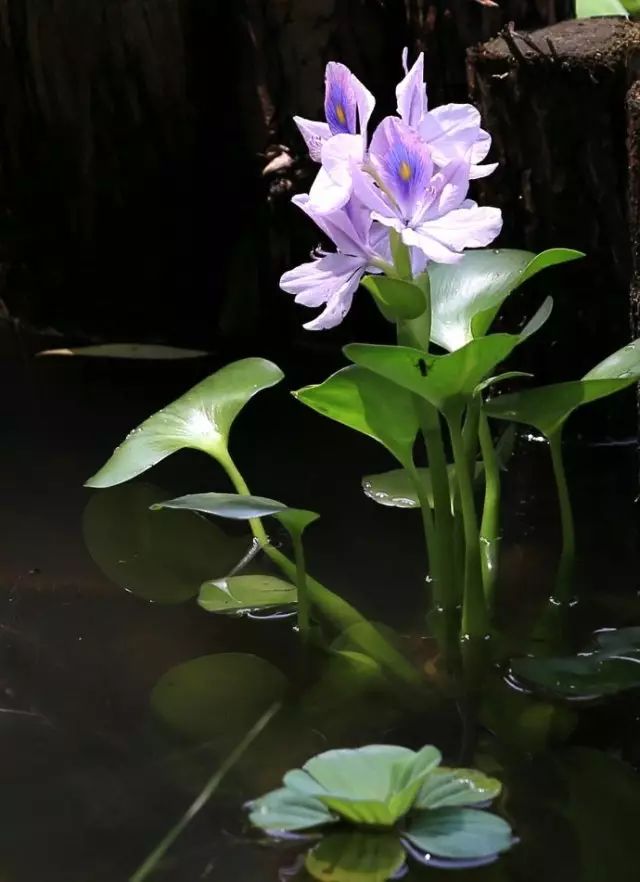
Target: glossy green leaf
459, 833
447, 381
466, 296
445, 788
613, 665
243, 508
396, 489
397, 299
369, 404
355, 857
596, 8
216, 698
288, 810
162, 557
548, 407
136, 351
241, 594
200, 419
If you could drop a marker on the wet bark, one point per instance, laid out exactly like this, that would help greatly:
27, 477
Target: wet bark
556, 109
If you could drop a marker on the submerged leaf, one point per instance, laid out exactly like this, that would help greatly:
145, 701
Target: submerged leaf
612, 666
238, 594
466, 296
369, 404
355, 857
162, 557
459, 833
201, 419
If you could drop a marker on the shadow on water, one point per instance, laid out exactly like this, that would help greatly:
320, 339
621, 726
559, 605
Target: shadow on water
117, 706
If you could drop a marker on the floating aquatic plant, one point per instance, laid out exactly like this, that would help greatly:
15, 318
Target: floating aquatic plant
412, 803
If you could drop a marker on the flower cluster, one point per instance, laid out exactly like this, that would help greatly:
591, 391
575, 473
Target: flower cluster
412, 177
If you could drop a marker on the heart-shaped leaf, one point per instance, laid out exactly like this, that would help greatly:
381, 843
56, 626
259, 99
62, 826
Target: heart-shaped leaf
201, 419
242, 594
216, 698
162, 557
446, 787
396, 299
369, 404
548, 407
242, 508
459, 833
448, 381
356, 857
136, 351
612, 666
466, 296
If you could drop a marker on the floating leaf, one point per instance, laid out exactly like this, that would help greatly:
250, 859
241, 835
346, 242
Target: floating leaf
397, 299
612, 666
161, 557
137, 351
201, 419
369, 404
356, 857
459, 833
445, 788
238, 594
242, 508
286, 811
216, 698
447, 381
396, 489
466, 296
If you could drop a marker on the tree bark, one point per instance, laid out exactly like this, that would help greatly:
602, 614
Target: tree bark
556, 110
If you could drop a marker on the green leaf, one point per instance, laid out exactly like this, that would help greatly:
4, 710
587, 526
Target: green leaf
477, 286
216, 698
446, 381
369, 404
612, 666
201, 419
288, 810
137, 351
162, 557
548, 407
355, 857
596, 8
459, 833
241, 594
396, 488
446, 787
397, 299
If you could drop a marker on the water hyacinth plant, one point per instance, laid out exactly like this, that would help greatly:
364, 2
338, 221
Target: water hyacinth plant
395, 203
404, 801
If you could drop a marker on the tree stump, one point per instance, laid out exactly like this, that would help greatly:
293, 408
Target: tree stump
554, 102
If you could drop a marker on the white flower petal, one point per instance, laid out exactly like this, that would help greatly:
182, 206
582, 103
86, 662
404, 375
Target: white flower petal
314, 134
331, 280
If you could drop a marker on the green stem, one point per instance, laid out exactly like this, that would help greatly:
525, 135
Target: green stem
304, 615
490, 526
566, 566
474, 612
340, 614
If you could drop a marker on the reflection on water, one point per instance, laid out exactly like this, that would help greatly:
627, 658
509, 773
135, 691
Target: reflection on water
115, 711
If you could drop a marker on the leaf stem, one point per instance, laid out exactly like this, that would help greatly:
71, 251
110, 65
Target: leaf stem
304, 616
490, 525
474, 611
566, 566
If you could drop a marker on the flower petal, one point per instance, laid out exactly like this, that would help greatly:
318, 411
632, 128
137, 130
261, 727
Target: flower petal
443, 239
448, 190
348, 227
412, 94
331, 280
314, 134
347, 101
403, 163
340, 156
453, 132
326, 195
482, 171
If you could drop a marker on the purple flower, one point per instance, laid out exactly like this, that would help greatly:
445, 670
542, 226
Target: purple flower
429, 208
332, 279
452, 131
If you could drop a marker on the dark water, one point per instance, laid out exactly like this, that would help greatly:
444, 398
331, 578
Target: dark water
93, 771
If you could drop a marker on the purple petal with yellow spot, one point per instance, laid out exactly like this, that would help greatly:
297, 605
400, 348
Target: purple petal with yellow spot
403, 162
340, 105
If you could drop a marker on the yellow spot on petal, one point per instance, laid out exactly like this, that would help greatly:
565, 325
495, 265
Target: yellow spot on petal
342, 116
405, 171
